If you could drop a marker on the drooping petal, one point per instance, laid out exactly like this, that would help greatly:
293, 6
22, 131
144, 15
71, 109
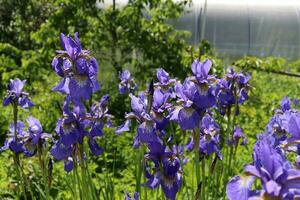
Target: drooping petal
173, 115
69, 134
25, 102
171, 166
190, 145
251, 170
188, 119
6, 145
136, 196
59, 151
95, 148
58, 66
80, 87
123, 128
294, 127
272, 188
63, 86
68, 164
239, 188
123, 89
96, 129
146, 133
154, 181
171, 186
95, 84
293, 180
7, 100
16, 147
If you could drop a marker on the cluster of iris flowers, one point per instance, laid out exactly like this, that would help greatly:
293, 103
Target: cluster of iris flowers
30, 140
279, 178
78, 71
193, 105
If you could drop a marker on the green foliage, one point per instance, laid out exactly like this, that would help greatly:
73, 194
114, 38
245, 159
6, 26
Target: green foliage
135, 37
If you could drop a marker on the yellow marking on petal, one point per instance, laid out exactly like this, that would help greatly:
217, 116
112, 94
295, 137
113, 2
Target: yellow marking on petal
81, 80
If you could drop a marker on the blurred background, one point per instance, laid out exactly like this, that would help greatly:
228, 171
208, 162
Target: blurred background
258, 36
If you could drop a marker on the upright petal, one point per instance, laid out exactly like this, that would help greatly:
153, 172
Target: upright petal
34, 125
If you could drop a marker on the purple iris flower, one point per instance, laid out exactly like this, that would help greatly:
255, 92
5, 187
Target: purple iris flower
298, 162
166, 171
70, 127
294, 128
96, 120
68, 164
127, 84
225, 95
279, 180
16, 94
237, 136
60, 151
163, 78
186, 114
135, 196
205, 95
239, 188
232, 89
243, 86
277, 128
178, 151
295, 102
195, 96
160, 105
99, 116
148, 122
77, 68
209, 138
77, 124
34, 136
16, 146
165, 83
284, 127
285, 104
201, 69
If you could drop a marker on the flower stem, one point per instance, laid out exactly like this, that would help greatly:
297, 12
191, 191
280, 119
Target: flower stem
203, 179
77, 176
16, 155
196, 136
83, 172
42, 159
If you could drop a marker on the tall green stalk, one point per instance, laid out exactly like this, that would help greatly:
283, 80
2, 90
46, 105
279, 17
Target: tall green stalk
78, 181
196, 137
203, 179
42, 162
85, 184
20, 176
231, 129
